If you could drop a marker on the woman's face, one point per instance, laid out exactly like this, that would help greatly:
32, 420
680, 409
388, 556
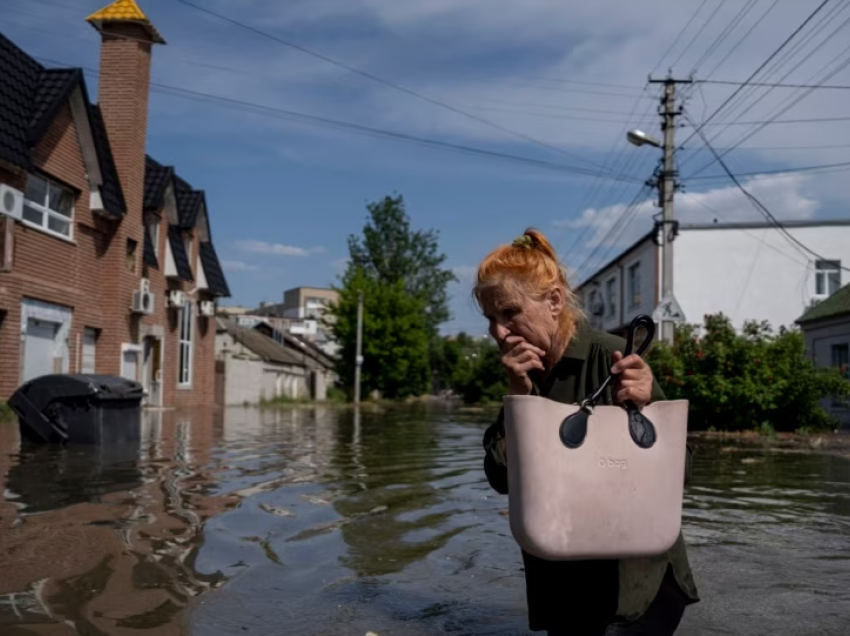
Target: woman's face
510, 313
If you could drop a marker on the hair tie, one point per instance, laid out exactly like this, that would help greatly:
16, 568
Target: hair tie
524, 241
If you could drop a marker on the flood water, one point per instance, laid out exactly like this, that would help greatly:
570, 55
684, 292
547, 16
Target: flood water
312, 521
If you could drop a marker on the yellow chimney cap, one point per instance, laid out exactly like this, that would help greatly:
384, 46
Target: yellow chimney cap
124, 11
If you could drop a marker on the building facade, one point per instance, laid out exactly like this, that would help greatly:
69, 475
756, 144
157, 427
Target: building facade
107, 263
747, 271
826, 327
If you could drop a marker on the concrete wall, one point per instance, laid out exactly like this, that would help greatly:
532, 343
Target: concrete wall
753, 274
820, 338
250, 379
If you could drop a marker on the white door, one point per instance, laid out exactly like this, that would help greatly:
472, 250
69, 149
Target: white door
39, 348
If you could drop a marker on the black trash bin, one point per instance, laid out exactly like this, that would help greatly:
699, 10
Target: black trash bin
79, 409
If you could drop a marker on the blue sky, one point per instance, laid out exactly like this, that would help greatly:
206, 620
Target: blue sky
555, 82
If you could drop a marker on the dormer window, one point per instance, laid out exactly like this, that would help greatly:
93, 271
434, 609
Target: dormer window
188, 241
153, 223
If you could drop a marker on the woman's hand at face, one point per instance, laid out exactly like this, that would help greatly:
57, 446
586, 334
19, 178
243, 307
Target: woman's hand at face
519, 358
635, 380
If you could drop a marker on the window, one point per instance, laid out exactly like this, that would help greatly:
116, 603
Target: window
130, 355
634, 284
187, 246
841, 358
153, 233
87, 362
827, 277
130, 255
184, 371
611, 296
48, 206
594, 304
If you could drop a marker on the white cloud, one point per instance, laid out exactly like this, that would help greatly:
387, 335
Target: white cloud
277, 249
238, 266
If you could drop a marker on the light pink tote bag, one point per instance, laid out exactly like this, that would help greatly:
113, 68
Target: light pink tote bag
595, 482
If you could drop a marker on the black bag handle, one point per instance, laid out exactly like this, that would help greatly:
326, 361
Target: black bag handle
573, 429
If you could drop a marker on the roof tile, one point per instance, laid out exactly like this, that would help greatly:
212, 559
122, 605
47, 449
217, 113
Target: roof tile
216, 282
836, 305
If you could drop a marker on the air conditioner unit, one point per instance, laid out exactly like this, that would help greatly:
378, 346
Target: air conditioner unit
11, 201
176, 298
206, 308
145, 285
143, 302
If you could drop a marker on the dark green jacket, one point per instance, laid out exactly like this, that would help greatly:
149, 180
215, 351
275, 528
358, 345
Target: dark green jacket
572, 594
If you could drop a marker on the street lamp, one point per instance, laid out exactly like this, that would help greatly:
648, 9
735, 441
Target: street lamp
639, 138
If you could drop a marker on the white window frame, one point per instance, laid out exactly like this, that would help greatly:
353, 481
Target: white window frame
635, 297
96, 333
824, 270
46, 212
153, 227
132, 348
185, 346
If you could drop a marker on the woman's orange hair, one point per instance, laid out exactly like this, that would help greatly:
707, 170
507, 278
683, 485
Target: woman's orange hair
532, 268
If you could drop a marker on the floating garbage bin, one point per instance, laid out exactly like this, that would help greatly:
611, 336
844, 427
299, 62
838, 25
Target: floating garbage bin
79, 409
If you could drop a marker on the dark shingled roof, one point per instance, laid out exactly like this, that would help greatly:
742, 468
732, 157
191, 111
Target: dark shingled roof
111, 192
19, 75
188, 203
216, 282
30, 98
52, 90
833, 307
260, 344
181, 259
156, 179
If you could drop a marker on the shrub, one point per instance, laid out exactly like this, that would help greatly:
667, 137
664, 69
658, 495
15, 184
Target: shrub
739, 381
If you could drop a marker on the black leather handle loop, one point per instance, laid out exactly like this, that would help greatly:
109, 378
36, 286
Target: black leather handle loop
573, 429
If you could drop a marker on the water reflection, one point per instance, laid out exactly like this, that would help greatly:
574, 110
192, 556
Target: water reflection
320, 520
103, 540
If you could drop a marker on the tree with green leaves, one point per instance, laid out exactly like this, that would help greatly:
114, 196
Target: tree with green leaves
404, 286
390, 252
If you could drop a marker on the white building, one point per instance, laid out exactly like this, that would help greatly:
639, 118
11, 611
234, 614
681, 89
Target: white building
747, 271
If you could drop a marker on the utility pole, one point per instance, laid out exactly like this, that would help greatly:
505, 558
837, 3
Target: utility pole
358, 360
667, 185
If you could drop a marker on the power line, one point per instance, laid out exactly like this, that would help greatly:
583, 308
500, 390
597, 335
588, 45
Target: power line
282, 113
759, 205
756, 72
825, 166
384, 82
774, 85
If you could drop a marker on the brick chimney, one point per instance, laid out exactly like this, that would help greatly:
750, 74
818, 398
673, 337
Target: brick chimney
123, 92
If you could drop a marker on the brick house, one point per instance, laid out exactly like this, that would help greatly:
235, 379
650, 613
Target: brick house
107, 262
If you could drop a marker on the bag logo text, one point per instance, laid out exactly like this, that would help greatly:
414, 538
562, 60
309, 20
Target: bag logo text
605, 462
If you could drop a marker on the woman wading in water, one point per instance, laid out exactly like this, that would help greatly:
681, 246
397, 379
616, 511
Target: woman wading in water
548, 349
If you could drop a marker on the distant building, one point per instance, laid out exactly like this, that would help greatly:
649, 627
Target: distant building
258, 363
747, 271
826, 327
302, 313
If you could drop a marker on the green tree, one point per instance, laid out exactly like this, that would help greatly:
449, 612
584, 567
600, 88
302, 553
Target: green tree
391, 252
741, 381
395, 336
